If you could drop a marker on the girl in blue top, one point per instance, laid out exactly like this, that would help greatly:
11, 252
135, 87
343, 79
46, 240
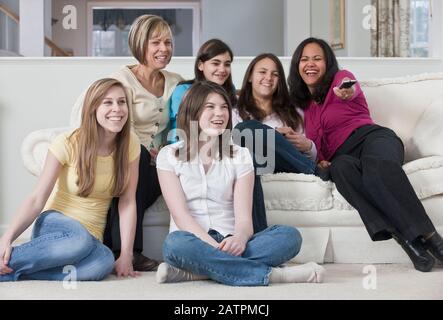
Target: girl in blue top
213, 63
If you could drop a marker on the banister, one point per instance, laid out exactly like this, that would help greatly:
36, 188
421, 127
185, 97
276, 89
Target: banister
9, 13
55, 49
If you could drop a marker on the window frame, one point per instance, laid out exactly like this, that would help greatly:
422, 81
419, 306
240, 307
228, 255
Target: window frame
414, 44
194, 5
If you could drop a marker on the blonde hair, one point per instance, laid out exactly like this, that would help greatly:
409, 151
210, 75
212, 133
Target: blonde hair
86, 142
145, 27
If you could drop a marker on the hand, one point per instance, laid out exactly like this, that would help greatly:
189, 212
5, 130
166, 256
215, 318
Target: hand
324, 164
299, 141
123, 266
284, 130
344, 94
234, 245
5, 255
153, 153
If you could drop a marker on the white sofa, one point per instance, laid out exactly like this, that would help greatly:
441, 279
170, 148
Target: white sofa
332, 230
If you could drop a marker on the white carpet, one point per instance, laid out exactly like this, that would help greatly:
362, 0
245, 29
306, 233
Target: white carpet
343, 281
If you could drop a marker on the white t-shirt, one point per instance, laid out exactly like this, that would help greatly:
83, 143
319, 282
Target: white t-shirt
209, 196
272, 120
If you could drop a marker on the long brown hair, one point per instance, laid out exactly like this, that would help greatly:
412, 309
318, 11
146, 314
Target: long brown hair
191, 108
210, 49
85, 140
298, 90
247, 106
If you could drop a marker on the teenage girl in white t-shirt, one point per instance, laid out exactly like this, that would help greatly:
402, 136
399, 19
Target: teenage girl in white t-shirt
207, 183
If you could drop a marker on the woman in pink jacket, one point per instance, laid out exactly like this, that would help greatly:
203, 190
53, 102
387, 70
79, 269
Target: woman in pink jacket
364, 159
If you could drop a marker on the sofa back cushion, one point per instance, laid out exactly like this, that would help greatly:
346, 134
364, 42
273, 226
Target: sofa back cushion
400, 104
427, 137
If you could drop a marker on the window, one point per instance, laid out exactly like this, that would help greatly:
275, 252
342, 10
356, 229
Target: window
420, 22
104, 43
109, 24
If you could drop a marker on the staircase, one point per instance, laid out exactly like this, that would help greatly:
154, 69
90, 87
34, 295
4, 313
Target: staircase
56, 50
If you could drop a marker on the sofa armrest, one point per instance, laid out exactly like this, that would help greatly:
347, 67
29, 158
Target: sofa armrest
35, 147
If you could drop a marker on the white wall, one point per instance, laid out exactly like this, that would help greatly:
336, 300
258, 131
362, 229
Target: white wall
320, 19
358, 39
39, 93
32, 31
321, 23
297, 24
250, 27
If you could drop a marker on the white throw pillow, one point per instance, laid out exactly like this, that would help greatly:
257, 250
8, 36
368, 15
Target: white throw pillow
427, 137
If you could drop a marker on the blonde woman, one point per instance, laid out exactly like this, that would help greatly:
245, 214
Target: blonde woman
150, 88
83, 171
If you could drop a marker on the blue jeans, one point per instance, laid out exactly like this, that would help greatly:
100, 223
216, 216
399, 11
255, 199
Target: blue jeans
58, 241
287, 157
266, 249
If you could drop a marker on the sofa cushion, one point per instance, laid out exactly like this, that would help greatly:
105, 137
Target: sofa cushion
427, 137
290, 191
399, 103
426, 176
312, 219
305, 200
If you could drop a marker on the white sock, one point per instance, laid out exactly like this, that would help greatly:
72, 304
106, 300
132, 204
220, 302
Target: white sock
308, 272
167, 273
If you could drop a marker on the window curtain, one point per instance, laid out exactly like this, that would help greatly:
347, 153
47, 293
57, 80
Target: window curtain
391, 37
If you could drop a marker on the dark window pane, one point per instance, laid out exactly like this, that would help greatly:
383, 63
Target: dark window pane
120, 20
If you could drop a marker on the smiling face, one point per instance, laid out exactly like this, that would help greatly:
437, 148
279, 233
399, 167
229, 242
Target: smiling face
159, 51
264, 78
216, 69
112, 113
312, 66
215, 116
